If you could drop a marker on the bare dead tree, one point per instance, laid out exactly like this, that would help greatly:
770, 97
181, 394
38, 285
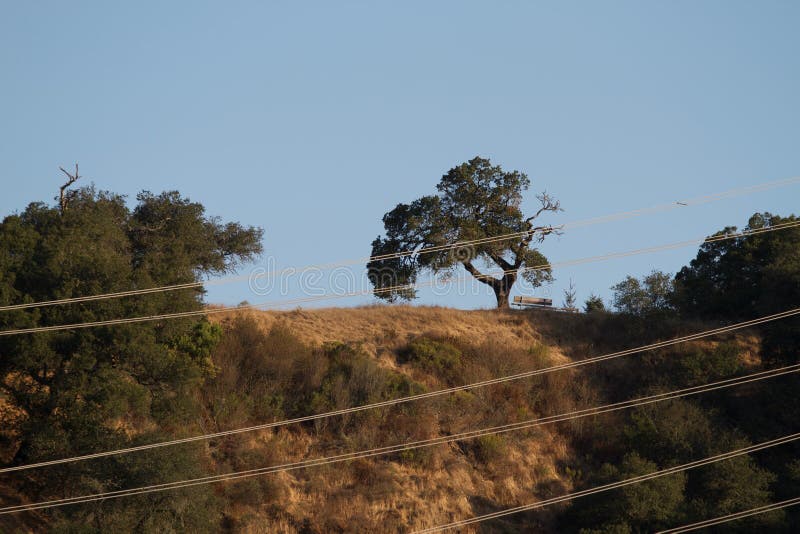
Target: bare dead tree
72, 178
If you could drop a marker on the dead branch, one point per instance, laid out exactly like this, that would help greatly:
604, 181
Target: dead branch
62, 201
548, 204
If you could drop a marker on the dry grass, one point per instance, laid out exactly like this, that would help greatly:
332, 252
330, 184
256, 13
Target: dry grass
447, 482
380, 329
428, 486
268, 373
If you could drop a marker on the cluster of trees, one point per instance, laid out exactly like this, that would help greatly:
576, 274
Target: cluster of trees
73, 392
728, 281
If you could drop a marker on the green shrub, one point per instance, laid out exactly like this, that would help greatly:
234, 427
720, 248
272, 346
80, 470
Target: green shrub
489, 448
700, 366
433, 356
594, 304
423, 458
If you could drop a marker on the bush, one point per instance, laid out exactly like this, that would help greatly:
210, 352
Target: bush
261, 376
441, 358
489, 448
643, 507
699, 366
594, 304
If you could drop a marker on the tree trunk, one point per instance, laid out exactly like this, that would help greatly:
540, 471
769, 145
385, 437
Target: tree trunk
502, 297
502, 289
501, 286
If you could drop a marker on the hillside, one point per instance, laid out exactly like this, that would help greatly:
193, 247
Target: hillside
271, 366
429, 486
408, 491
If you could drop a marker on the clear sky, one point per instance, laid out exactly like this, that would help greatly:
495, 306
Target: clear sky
313, 119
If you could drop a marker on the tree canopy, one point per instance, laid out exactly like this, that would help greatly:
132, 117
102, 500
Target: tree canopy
74, 392
475, 201
746, 276
650, 295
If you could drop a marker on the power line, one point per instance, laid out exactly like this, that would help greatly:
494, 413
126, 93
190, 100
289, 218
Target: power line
294, 302
419, 396
575, 224
627, 482
733, 517
405, 446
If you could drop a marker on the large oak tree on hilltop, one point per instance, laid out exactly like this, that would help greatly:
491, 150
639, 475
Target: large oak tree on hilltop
475, 201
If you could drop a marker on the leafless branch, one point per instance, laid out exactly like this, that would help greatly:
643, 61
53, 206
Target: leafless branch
548, 204
72, 178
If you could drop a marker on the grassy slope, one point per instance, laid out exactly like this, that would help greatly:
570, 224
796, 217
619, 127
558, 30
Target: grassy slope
384, 495
454, 481
391, 495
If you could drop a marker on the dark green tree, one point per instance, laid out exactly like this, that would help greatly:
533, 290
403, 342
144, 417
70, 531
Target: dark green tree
751, 275
681, 431
594, 304
643, 507
474, 201
664, 435
652, 294
78, 391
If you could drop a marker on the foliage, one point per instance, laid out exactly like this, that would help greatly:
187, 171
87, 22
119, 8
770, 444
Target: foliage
730, 278
594, 304
650, 295
732, 486
433, 356
668, 434
96, 388
475, 200
696, 366
489, 448
642, 507
755, 274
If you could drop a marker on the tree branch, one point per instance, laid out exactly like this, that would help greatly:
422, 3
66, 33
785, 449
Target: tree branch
501, 261
62, 202
485, 278
548, 204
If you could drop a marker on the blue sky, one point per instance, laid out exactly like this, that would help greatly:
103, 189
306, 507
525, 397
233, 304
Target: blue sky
312, 120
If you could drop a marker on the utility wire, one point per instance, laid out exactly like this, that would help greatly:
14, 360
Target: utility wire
419, 396
438, 248
627, 482
405, 446
383, 290
733, 517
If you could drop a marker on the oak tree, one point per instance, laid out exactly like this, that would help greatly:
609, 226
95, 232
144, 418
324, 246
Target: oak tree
73, 392
476, 202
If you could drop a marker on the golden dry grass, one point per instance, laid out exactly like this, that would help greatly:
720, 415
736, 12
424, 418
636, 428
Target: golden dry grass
391, 495
451, 485
387, 495
380, 328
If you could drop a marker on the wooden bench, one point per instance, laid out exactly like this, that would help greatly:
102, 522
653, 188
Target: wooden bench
531, 302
